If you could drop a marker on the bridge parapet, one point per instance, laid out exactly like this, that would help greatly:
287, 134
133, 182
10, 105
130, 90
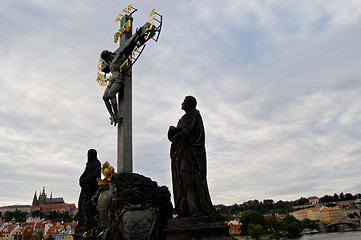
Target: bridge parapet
336, 225
344, 222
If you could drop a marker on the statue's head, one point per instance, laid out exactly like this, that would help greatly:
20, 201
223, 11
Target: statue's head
189, 103
92, 154
107, 56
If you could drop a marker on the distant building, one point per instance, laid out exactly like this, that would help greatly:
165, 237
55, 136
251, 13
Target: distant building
17, 233
234, 227
358, 202
313, 200
38, 204
44, 200
310, 213
350, 210
301, 214
314, 213
8, 232
52, 230
331, 214
282, 216
61, 231
34, 219
60, 207
5, 232
46, 205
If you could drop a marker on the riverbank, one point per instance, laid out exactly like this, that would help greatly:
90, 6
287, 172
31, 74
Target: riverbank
352, 235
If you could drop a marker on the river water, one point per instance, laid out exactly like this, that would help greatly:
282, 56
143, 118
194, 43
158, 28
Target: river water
354, 235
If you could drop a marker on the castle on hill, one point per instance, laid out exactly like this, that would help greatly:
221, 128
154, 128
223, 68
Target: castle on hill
46, 205
43, 204
44, 200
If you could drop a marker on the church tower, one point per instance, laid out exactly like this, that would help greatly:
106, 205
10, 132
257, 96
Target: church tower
42, 197
35, 201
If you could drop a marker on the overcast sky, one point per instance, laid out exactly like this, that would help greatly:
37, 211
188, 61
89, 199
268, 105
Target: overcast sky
277, 82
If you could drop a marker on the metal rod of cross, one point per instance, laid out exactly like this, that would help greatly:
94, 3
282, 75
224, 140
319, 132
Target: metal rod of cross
119, 64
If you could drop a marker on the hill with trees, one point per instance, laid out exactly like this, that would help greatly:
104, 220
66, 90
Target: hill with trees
268, 206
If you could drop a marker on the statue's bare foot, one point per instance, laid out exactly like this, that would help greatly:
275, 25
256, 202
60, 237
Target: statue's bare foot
112, 120
118, 120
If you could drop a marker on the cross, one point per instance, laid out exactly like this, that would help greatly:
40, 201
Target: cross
124, 136
130, 48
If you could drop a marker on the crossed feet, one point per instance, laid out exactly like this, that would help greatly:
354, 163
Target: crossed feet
115, 119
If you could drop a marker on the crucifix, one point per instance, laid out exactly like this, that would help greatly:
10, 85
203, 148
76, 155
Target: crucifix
119, 64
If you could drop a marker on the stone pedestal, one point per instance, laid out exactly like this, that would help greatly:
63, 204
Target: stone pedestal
197, 228
130, 207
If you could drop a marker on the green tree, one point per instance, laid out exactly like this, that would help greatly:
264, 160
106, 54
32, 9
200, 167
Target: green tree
221, 208
326, 199
37, 213
269, 204
293, 226
335, 198
348, 196
310, 224
301, 201
250, 217
58, 216
255, 230
8, 216
275, 226
342, 197
235, 209
20, 216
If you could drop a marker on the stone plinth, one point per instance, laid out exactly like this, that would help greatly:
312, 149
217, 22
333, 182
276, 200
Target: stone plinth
130, 207
197, 228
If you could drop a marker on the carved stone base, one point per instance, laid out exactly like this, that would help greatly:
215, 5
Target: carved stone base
197, 228
130, 207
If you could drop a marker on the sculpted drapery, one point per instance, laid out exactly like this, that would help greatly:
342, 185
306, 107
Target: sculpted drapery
89, 186
189, 166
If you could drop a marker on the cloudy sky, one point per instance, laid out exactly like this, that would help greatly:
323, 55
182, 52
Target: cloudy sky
277, 82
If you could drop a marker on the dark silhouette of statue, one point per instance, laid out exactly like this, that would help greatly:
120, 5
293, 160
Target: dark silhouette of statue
112, 63
189, 167
89, 186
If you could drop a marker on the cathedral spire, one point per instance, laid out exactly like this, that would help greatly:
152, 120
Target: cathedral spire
35, 197
35, 200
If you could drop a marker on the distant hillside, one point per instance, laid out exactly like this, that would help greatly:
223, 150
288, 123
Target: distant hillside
268, 206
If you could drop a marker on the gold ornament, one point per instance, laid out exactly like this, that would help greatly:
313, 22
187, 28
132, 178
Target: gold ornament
108, 173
